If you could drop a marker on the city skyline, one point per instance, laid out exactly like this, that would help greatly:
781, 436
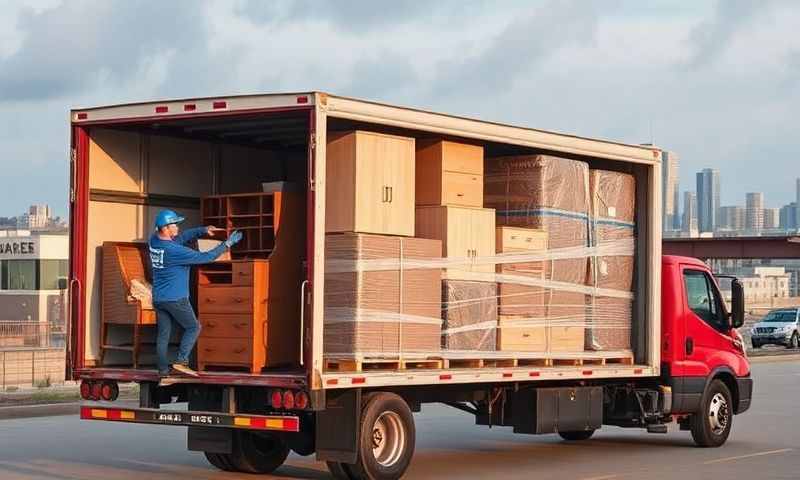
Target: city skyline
611, 70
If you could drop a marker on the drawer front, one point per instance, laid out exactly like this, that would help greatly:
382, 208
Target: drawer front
225, 300
520, 239
566, 339
226, 326
521, 338
464, 189
459, 157
224, 350
242, 273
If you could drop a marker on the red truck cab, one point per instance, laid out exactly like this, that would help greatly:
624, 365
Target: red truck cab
702, 354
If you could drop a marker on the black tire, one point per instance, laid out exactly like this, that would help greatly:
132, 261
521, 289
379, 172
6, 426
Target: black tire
257, 453
220, 461
577, 436
793, 341
712, 424
756, 344
340, 471
387, 439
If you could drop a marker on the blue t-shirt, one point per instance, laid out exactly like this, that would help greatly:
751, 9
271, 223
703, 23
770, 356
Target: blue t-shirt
170, 261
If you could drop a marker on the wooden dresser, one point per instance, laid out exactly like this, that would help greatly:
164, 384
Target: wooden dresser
249, 307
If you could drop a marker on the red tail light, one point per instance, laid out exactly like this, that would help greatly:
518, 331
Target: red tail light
109, 391
86, 390
301, 400
96, 391
276, 399
288, 400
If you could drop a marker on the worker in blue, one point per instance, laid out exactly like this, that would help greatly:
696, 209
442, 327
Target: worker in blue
171, 260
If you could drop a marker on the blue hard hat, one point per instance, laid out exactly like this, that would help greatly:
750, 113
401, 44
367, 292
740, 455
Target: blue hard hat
167, 217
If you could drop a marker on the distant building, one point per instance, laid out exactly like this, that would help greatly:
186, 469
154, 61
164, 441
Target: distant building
37, 218
754, 212
689, 224
772, 218
788, 217
670, 198
797, 204
761, 284
731, 218
708, 191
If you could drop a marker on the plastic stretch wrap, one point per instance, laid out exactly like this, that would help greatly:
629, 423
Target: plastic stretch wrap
571, 292
384, 309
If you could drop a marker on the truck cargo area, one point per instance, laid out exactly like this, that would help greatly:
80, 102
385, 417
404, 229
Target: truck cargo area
248, 174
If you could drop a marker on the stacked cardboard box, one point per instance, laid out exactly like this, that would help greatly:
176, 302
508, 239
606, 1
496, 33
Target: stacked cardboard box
469, 310
377, 301
613, 197
551, 194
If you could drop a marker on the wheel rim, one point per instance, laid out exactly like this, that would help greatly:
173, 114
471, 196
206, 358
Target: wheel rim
388, 439
718, 414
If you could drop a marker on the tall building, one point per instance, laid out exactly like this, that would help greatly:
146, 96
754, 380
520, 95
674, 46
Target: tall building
788, 217
37, 217
670, 198
754, 212
797, 203
707, 199
731, 218
689, 213
771, 218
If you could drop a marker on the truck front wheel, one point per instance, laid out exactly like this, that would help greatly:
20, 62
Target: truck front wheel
387, 439
257, 453
712, 424
577, 436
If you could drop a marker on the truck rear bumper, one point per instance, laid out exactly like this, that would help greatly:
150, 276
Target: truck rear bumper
279, 423
278, 380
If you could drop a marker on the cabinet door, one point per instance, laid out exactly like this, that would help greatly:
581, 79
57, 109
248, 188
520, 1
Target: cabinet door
399, 178
482, 231
370, 184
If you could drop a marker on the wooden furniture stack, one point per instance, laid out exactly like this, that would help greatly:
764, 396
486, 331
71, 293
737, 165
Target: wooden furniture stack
375, 305
124, 262
249, 307
449, 191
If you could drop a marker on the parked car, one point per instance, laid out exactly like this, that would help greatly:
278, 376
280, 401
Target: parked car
778, 327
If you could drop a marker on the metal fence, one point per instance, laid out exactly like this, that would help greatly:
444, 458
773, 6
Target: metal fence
26, 335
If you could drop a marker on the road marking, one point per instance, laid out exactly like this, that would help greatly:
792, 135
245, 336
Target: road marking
741, 457
604, 477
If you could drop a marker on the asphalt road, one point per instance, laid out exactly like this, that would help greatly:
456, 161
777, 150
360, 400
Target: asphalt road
765, 444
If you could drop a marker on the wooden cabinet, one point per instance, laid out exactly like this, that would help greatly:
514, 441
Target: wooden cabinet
515, 299
232, 311
513, 336
370, 183
249, 308
449, 173
466, 233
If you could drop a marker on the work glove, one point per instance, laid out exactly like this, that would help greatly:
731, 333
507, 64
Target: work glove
235, 237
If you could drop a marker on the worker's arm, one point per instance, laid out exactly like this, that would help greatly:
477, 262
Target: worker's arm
180, 255
187, 236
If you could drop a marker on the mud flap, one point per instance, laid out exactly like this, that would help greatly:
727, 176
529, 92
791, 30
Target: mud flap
338, 429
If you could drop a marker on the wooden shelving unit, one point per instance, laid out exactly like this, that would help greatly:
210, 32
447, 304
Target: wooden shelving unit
253, 214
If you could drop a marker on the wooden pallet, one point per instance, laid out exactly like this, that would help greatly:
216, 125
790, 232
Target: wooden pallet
503, 360
372, 364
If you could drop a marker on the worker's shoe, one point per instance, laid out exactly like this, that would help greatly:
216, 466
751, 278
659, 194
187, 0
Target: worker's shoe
163, 373
183, 367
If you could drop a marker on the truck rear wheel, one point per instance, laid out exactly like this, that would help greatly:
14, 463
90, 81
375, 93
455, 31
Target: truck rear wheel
220, 460
712, 424
340, 471
577, 436
386, 441
257, 453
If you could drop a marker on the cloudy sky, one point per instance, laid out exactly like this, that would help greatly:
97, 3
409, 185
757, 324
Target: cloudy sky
717, 82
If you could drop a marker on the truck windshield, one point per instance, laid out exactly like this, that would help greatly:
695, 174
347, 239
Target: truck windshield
783, 316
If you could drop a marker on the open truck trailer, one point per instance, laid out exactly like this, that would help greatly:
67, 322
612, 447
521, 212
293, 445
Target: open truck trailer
367, 238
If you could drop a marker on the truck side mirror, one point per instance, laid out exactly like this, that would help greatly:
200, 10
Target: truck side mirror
737, 303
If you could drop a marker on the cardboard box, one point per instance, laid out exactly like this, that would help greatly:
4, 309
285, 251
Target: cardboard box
377, 300
469, 311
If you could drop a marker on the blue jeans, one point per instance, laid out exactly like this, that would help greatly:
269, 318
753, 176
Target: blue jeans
180, 312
